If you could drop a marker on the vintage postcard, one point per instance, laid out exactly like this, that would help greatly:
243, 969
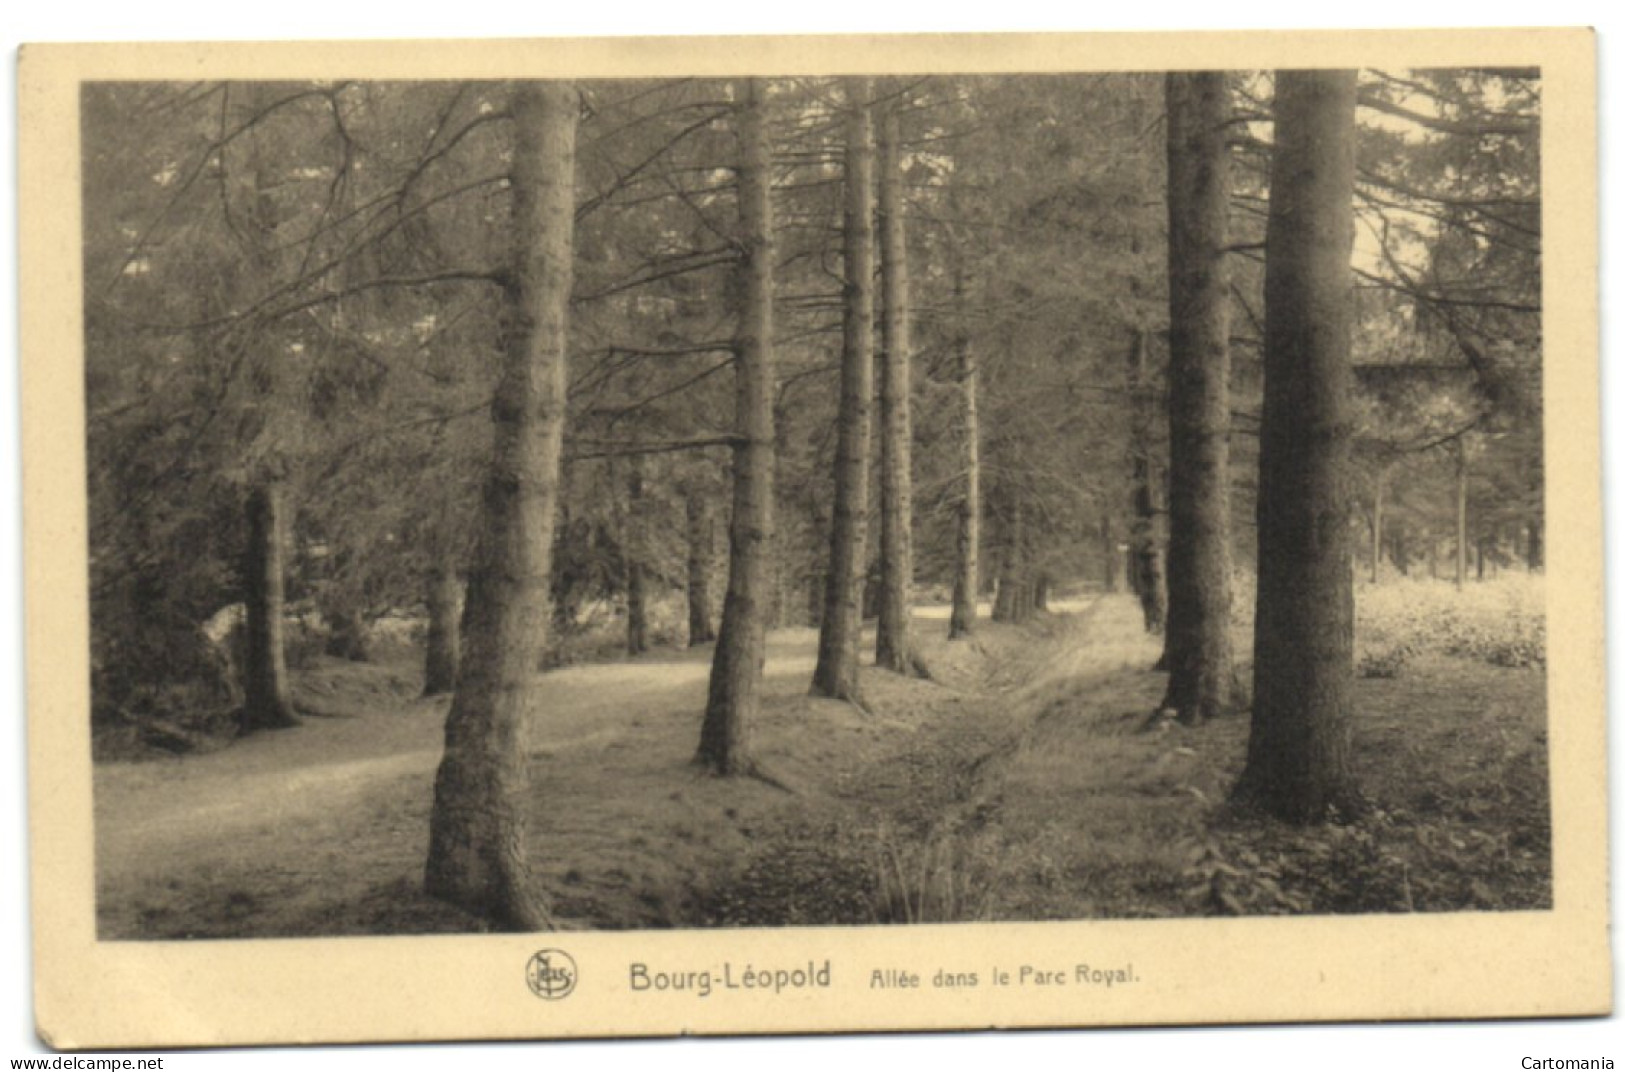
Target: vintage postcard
552, 539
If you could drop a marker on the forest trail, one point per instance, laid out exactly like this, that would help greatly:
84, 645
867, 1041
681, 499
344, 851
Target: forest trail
274, 833
149, 811
1018, 785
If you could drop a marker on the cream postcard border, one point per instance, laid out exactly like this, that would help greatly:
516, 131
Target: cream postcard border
92, 994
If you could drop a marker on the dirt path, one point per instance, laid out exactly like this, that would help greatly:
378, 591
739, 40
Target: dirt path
321, 828
147, 812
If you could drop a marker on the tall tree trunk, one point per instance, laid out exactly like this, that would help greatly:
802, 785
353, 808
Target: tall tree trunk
265, 670
736, 668
1146, 577
1201, 667
816, 590
841, 626
871, 591
266, 703
780, 616
1377, 494
968, 538
1535, 556
893, 650
1461, 512
347, 634
477, 849
634, 551
700, 542
1298, 751
1012, 566
444, 602
1111, 559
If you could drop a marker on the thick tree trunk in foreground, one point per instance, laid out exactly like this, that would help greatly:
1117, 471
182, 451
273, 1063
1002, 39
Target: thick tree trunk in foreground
698, 515
968, 538
893, 650
1298, 751
477, 852
736, 669
265, 669
444, 646
1201, 671
637, 604
1146, 564
840, 627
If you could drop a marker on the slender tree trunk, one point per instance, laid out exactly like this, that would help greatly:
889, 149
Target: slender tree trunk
893, 649
700, 542
1481, 549
635, 550
816, 590
871, 592
1041, 592
1111, 559
1535, 556
1461, 512
1298, 751
444, 603
1201, 667
477, 842
1007, 602
347, 634
1004, 597
968, 541
1377, 494
266, 705
780, 616
1147, 577
1402, 554
841, 625
736, 668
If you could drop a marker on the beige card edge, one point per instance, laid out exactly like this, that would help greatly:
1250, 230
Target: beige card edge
91, 994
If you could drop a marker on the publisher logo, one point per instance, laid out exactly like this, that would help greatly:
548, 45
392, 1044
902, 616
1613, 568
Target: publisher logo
551, 974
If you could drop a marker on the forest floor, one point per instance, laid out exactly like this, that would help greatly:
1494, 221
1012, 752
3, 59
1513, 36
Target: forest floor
1021, 783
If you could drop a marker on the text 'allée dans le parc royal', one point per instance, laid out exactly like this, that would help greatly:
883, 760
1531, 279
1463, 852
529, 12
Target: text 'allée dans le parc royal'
1025, 975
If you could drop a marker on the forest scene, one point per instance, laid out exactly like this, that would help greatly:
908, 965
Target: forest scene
682, 503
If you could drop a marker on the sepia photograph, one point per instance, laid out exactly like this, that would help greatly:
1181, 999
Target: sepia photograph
856, 539
862, 500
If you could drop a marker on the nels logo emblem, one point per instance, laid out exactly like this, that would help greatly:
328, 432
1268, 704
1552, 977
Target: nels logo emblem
551, 974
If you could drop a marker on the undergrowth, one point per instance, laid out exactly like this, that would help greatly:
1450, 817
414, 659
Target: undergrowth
1502, 623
